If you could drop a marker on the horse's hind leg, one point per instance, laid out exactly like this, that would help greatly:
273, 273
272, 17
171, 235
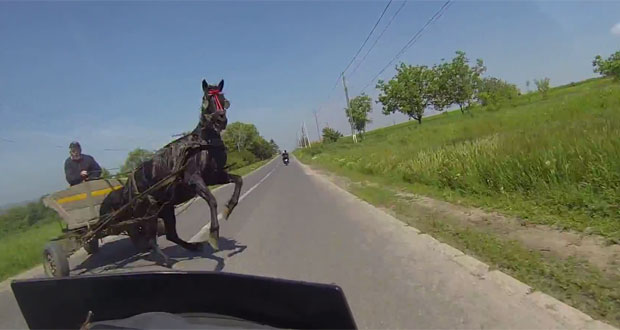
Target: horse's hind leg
155, 248
234, 199
170, 223
201, 189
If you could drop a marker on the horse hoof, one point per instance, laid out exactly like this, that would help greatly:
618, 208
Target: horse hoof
213, 240
195, 247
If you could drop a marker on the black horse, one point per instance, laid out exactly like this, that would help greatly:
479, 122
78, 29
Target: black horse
199, 158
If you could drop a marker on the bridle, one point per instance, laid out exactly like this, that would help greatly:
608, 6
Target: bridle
214, 94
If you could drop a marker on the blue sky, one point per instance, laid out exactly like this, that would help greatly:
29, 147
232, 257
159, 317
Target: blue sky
117, 76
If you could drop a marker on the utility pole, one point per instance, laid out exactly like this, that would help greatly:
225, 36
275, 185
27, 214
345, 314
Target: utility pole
346, 94
316, 120
303, 137
306, 134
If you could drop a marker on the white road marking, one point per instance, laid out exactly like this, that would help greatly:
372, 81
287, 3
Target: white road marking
202, 235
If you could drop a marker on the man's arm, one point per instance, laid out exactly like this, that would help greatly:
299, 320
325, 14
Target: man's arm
72, 174
94, 170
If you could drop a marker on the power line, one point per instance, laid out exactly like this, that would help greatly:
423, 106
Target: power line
367, 37
359, 50
379, 37
412, 41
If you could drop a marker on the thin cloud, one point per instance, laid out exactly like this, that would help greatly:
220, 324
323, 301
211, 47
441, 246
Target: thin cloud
616, 29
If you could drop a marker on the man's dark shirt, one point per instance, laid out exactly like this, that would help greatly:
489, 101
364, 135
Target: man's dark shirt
74, 167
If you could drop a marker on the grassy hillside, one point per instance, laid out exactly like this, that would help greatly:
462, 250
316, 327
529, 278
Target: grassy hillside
553, 160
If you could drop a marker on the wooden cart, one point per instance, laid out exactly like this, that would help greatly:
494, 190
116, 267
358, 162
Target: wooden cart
78, 207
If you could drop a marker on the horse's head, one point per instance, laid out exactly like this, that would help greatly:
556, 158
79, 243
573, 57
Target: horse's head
214, 106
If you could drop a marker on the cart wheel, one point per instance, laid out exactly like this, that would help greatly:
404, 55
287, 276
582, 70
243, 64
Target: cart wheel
138, 236
92, 246
55, 261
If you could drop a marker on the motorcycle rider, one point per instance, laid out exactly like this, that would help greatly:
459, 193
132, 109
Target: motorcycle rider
285, 156
80, 167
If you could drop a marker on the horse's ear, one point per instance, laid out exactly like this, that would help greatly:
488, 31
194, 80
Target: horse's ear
205, 86
220, 86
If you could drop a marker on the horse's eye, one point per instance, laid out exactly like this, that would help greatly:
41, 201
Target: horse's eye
226, 104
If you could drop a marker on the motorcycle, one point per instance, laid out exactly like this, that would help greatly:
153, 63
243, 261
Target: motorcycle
285, 160
180, 300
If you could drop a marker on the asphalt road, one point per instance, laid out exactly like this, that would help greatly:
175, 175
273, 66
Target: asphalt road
296, 225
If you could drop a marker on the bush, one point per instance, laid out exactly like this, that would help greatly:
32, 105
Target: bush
20, 218
494, 92
542, 85
331, 135
240, 159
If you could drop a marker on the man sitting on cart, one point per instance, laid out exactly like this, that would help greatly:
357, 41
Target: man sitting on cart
80, 167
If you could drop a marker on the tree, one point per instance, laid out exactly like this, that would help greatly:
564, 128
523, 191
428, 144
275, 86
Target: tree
440, 87
463, 79
274, 146
135, 158
358, 110
261, 148
409, 92
609, 67
239, 136
542, 85
331, 135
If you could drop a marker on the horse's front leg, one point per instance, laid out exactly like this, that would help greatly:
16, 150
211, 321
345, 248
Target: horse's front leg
234, 199
201, 189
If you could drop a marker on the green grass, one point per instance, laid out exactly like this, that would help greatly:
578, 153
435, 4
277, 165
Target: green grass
569, 280
553, 161
24, 250
249, 168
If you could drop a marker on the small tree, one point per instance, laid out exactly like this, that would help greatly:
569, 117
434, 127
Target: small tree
331, 135
609, 67
542, 85
358, 110
409, 92
135, 158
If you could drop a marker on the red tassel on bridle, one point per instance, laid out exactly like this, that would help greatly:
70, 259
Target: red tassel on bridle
215, 93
